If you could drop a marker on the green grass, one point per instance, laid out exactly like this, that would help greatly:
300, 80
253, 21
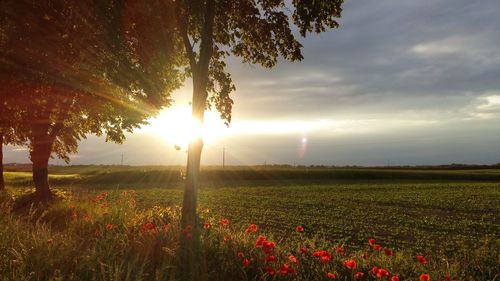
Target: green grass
413, 212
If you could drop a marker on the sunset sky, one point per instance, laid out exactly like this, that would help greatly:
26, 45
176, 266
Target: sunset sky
400, 83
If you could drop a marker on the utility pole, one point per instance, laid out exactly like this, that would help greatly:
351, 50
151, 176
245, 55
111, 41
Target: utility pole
223, 156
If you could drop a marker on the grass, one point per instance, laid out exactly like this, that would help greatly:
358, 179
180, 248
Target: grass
455, 225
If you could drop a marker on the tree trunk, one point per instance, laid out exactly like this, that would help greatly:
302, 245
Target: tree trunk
40, 154
2, 182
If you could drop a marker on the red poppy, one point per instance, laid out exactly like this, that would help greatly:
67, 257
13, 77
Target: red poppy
241, 255
447, 277
377, 247
351, 264
260, 241
324, 255
382, 273
224, 222
206, 226
371, 241
292, 259
330, 275
270, 270
246, 263
340, 250
304, 250
189, 235
227, 237
422, 260
270, 258
359, 275
149, 226
284, 269
395, 278
252, 228
299, 228
424, 277
388, 252
374, 270
109, 226
50, 242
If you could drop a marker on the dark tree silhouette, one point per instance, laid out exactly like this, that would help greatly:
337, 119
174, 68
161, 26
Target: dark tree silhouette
82, 67
257, 31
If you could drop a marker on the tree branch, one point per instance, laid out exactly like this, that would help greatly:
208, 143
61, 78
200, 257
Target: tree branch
177, 14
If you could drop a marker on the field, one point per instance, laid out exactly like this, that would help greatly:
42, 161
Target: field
436, 213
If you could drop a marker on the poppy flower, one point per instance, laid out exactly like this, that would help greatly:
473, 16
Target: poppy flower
371, 241
324, 255
395, 278
447, 277
149, 226
189, 235
270, 270
270, 258
252, 228
382, 273
351, 264
388, 252
422, 260
359, 275
260, 241
330, 275
246, 263
227, 237
241, 255
374, 270
292, 259
284, 269
424, 277
206, 226
340, 250
304, 250
299, 228
224, 222
109, 226
50, 242
377, 247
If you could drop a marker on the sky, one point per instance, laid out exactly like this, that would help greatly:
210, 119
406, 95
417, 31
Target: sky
399, 83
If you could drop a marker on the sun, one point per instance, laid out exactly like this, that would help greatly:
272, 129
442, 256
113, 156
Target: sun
177, 127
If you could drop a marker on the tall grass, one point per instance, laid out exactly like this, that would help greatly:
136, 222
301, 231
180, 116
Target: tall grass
108, 238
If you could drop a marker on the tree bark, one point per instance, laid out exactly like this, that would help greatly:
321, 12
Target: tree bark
40, 154
2, 181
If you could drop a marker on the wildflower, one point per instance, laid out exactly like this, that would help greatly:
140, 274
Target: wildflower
424, 277
269, 245
292, 259
227, 237
246, 263
260, 241
286, 269
252, 228
374, 270
299, 228
224, 222
395, 278
365, 256
71, 206
109, 226
388, 252
359, 275
382, 273
241, 255
377, 247
351, 264
149, 226
340, 250
330, 275
422, 260
270, 270
304, 250
447, 277
50, 242
324, 255
270, 258
206, 226
371, 241
189, 235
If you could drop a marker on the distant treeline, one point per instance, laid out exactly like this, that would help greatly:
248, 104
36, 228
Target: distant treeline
269, 174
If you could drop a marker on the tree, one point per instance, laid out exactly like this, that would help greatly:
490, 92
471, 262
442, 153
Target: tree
86, 69
257, 31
